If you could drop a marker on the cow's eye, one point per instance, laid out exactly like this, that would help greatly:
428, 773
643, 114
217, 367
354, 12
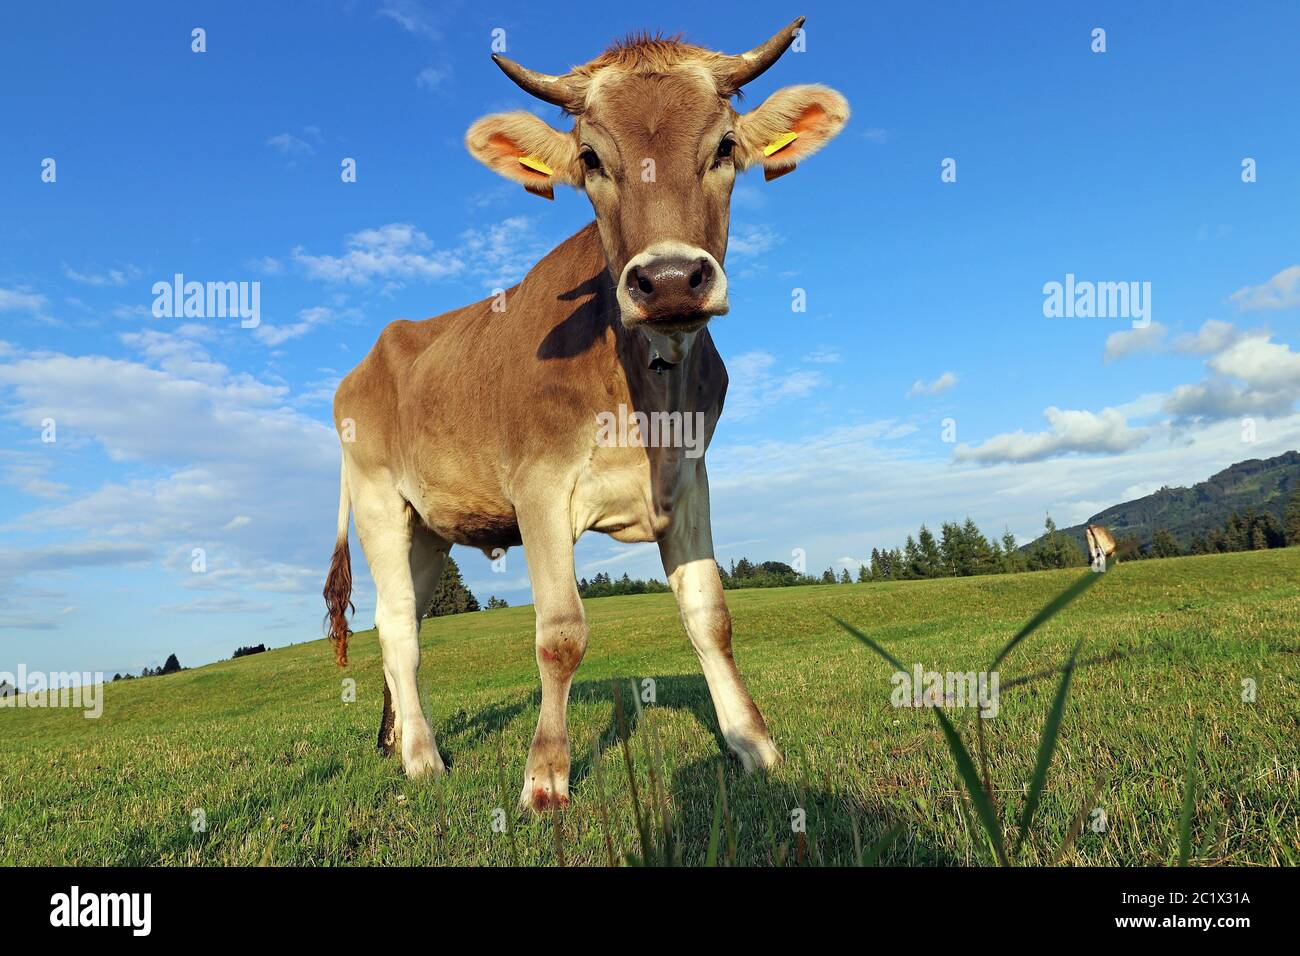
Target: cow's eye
589, 158
726, 146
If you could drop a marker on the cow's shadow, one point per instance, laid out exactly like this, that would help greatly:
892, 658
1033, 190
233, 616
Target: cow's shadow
840, 827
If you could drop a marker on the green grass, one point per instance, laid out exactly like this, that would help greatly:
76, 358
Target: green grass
286, 773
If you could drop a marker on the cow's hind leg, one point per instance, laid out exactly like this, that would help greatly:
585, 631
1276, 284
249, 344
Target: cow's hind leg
561, 641
385, 525
428, 556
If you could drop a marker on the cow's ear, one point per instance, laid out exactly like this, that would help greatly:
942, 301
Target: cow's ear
524, 148
790, 125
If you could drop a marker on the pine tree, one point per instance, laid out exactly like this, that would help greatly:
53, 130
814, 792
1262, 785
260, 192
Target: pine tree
977, 547
877, 565
844, 577
1164, 545
949, 547
931, 557
1291, 523
171, 666
863, 574
453, 597
1012, 558
1054, 550
911, 560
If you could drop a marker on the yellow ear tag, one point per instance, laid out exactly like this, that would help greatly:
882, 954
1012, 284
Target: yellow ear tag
778, 144
536, 165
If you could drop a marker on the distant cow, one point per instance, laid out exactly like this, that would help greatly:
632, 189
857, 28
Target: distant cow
1101, 545
480, 427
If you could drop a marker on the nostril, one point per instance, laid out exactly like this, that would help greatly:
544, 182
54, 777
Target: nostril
701, 274
644, 284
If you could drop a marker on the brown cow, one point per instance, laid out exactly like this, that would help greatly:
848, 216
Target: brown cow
480, 427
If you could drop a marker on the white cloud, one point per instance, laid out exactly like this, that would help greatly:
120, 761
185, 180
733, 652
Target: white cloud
289, 145
822, 356
27, 471
1280, 292
432, 77
498, 255
23, 300
110, 277
754, 386
501, 254
751, 240
1260, 363
1104, 432
212, 442
1213, 336
397, 250
1134, 341
77, 554
307, 320
222, 604
941, 384
1251, 375
411, 17
266, 265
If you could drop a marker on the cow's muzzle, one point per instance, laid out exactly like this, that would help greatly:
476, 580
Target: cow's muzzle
672, 287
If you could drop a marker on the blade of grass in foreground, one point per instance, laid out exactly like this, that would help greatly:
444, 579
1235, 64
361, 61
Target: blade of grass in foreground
884, 843
631, 775
1046, 747
1076, 828
1189, 804
715, 833
870, 643
966, 767
983, 804
604, 805
504, 794
1049, 611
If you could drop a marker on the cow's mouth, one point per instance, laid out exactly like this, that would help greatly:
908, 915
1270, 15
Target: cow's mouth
671, 324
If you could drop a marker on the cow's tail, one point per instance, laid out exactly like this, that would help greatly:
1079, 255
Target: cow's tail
338, 583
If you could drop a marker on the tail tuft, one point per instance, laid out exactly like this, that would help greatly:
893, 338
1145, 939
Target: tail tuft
338, 601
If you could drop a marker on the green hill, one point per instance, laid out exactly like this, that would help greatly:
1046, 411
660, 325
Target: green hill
268, 759
1262, 484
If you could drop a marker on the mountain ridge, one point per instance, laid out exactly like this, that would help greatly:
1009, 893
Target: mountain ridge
1264, 484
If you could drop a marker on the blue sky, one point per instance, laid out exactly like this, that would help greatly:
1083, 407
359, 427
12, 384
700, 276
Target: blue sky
925, 298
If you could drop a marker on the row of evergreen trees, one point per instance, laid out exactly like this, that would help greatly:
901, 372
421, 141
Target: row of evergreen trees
170, 666
1250, 530
959, 550
962, 550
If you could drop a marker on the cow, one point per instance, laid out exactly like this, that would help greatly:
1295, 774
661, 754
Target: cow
1101, 545
479, 427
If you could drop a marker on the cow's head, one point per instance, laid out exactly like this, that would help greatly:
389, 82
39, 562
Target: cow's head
656, 146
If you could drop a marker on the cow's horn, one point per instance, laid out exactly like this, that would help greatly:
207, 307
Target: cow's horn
553, 89
733, 72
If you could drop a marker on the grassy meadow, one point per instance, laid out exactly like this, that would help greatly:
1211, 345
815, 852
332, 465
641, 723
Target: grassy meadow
286, 773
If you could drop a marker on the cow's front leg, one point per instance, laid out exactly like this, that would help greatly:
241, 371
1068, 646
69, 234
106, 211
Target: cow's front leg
687, 553
561, 640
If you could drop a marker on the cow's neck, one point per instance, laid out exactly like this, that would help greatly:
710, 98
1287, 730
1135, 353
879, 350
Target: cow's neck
666, 388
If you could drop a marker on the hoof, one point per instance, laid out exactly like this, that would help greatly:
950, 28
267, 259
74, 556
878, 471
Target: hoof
423, 761
543, 800
757, 754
